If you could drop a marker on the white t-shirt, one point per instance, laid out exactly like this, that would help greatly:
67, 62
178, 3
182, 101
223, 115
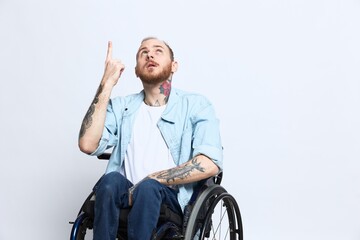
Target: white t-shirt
147, 151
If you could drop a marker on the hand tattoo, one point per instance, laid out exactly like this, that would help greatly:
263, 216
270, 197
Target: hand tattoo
132, 189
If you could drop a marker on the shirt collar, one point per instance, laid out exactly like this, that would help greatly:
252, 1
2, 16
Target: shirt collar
169, 113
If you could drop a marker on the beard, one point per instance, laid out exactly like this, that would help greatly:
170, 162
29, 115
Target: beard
150, 77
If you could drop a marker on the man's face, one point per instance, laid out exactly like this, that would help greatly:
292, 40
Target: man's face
154, 64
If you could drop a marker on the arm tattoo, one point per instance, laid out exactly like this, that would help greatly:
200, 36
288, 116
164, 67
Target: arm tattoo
181, 173
88, 116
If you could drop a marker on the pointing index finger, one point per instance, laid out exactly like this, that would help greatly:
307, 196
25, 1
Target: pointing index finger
109, 51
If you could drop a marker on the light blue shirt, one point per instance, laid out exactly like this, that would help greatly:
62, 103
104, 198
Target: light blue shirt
188, 124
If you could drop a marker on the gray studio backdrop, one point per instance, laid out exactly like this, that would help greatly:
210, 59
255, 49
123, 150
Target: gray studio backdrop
283, 76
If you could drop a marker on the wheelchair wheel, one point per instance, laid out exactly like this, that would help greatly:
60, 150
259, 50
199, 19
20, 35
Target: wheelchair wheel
82, 225
215, 215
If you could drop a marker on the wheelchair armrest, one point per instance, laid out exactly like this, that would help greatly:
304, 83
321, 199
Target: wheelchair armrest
104, 156
217, 178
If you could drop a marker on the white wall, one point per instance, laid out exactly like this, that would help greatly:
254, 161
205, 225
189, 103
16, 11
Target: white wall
283, 76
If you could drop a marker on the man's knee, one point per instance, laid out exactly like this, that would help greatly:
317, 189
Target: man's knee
149, 185
110, 184
149, 188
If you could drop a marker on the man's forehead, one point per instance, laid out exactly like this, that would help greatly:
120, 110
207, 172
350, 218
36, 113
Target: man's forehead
153, 42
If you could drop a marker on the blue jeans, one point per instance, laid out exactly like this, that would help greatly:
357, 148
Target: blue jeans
112, 195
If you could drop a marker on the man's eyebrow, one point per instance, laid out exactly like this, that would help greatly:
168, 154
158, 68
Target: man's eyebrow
142, 49
154, 46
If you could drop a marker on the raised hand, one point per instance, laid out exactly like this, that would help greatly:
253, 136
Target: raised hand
113, 68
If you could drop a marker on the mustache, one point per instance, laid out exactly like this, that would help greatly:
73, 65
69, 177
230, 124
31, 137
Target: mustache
151, 63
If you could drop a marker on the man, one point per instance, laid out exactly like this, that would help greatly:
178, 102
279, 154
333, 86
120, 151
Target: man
164, 140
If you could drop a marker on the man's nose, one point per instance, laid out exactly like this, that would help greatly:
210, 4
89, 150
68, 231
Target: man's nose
150, 55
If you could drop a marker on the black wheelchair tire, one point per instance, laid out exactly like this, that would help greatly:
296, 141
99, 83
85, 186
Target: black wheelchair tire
207, 202
80, 227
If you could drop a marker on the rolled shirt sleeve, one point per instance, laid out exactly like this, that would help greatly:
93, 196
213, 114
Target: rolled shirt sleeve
206, 136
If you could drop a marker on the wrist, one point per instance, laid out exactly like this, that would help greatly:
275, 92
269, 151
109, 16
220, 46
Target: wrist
106, 84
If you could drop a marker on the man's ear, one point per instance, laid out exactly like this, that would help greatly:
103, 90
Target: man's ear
136, 73
174, 66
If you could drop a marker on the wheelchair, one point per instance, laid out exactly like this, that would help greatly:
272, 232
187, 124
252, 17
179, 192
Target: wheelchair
212, 213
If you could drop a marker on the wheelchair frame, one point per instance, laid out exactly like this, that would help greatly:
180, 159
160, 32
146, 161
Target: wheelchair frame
198, 222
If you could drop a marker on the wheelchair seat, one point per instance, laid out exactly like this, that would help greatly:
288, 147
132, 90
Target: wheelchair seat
212, 213
169, 222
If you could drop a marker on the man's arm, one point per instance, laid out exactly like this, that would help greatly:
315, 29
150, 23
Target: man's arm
196, 169
94, 120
